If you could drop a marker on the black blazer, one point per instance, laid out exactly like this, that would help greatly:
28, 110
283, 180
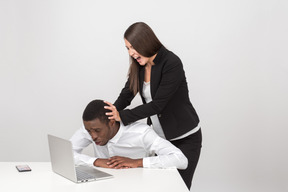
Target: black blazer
170, 97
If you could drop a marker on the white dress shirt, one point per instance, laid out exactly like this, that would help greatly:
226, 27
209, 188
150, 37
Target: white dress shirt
137, 140
154, 118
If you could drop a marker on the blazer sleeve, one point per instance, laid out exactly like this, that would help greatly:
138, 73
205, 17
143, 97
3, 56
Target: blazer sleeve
125, 97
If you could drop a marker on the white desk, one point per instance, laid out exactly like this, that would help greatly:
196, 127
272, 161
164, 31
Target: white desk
42, 178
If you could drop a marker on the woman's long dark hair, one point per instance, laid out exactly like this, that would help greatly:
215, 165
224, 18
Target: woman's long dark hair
145, 42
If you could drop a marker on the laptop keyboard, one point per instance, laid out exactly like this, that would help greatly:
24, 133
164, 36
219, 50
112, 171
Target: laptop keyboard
83, 175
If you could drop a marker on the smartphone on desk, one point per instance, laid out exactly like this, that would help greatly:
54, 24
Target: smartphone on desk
23, 168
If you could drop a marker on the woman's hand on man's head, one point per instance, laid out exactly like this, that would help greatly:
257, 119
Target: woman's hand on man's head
114, 114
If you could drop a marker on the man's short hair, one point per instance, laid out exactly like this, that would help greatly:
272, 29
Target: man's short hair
95, 110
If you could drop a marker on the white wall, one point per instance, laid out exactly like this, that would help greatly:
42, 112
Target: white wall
58, 55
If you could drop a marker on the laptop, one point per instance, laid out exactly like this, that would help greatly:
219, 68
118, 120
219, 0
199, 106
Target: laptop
62, 161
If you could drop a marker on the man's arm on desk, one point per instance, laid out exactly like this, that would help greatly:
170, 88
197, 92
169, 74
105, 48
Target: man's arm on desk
80, 140
101, 163
167, 155
118, 162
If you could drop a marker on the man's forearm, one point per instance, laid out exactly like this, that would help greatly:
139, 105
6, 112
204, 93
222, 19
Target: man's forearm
101, 163
118, 162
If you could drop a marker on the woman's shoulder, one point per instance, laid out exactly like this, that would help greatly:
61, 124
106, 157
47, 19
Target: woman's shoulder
167, 57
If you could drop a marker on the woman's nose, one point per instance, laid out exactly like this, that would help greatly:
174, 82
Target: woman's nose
131, 52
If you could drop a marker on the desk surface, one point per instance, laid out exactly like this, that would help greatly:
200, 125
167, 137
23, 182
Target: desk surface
42, 178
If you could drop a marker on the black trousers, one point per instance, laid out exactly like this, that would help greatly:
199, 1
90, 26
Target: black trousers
191, 147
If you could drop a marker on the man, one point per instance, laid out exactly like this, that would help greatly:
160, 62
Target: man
118, 146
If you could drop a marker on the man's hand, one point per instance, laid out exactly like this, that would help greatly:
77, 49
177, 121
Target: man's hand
101, 163
117, 162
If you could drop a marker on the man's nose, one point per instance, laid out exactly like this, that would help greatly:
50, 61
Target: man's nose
94, 136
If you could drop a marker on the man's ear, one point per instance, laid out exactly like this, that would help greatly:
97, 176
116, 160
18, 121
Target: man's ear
112, 122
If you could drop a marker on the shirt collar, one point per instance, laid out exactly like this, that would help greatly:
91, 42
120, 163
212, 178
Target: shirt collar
118, 135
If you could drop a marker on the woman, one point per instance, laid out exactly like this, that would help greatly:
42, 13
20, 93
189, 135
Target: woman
158, 75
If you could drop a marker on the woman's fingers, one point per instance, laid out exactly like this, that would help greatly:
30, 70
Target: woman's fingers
108, 103
114, 114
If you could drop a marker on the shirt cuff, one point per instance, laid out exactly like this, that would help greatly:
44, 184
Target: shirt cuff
146, 162
91, 161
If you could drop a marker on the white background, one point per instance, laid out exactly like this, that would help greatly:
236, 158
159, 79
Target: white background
58, 55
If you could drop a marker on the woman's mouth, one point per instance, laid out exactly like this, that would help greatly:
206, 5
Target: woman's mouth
138, 59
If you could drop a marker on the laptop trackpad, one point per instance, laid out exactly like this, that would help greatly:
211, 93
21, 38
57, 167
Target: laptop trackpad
95, 172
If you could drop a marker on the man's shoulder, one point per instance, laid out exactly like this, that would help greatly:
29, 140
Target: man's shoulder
138, 127
139, 133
